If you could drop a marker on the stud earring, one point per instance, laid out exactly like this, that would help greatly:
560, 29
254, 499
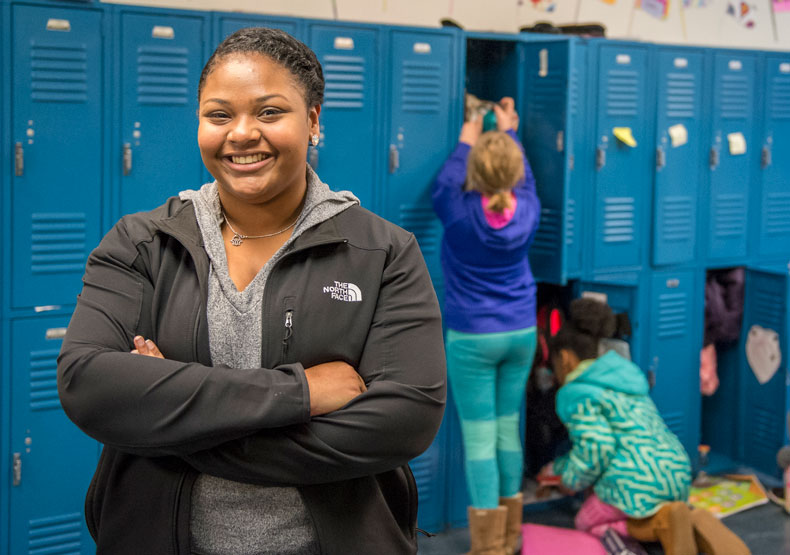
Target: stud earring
314, 140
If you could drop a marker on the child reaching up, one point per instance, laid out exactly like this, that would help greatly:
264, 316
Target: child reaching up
638, 470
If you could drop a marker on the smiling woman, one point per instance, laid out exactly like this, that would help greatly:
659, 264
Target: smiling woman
260, 357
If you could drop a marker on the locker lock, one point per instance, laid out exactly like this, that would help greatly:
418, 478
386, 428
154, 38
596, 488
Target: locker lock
661, 158
19, 160
17, 469
765, 158
600, 157
714, 157
127, 158
394, 158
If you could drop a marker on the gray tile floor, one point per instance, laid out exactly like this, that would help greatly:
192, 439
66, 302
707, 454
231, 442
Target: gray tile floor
765, 529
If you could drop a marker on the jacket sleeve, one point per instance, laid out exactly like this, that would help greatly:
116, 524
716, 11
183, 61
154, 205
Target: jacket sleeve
148, 405
593, 447
385, 427
447, 193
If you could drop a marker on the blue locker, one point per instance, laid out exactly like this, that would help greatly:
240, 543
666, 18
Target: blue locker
226, 23
763, 401
678, 138
58, 59
729, 178
348, 154
53, 461
556, 140
624, 165
5, 196
774, 226
494, 67
159, 57
424, 118
673, 339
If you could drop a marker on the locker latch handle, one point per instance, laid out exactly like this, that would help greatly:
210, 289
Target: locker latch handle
394, 158
661, 158
313, 158
714, 157
600, 157
765, 158
19, 159
17, 469
127, 158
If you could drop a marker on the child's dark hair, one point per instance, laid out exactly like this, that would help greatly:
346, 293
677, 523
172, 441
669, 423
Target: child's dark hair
590, 321
279, 46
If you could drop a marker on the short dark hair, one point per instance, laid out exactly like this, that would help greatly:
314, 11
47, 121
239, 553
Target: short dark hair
590, 321
279, 46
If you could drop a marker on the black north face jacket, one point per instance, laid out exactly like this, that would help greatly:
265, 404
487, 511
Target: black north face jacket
355, 288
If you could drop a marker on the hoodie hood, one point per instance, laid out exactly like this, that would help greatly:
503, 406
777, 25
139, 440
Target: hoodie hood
609, 371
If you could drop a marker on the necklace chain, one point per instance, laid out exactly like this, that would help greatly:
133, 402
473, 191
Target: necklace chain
238, 238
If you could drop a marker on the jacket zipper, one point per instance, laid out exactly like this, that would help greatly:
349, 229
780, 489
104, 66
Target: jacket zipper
288, 331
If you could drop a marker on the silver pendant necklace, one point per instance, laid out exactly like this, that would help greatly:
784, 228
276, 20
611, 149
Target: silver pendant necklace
238, 238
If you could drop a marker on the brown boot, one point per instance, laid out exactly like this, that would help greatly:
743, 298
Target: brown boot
487, 531
515, 514
671, 525
713, 537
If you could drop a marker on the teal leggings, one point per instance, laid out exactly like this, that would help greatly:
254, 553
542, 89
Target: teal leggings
488, 376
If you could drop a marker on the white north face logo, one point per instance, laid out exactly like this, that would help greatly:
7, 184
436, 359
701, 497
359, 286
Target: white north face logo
342, 291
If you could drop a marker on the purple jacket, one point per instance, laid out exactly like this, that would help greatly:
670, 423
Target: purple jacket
488, 281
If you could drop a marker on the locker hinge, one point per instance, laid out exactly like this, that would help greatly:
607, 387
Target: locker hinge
127, 158
19, 160
17, 469
765, 158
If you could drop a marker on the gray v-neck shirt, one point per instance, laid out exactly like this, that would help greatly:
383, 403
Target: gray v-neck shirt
233, 518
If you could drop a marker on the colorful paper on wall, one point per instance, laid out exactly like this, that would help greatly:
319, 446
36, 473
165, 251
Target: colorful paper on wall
543, 5
781, 5
742, 12
696, 3
678, 134
737, 143
608, 1
625, 135
656, 8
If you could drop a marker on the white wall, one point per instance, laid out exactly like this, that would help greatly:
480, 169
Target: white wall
703, 22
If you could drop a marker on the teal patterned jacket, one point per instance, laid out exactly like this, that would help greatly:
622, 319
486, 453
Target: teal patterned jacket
621, 446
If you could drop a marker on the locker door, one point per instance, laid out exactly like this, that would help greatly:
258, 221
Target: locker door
677, 173
674, 339
763, 406
58, 140
730, 171
546, 124
54, 460
160, 62
347, 155
225, 24
422, 130
775, 213
623, 177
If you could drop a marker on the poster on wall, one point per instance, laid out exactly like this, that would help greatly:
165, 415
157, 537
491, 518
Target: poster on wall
657, 8
743, 12
781, 5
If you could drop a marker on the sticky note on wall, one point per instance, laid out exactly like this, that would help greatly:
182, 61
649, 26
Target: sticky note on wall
625, 135
678, 134
737, 143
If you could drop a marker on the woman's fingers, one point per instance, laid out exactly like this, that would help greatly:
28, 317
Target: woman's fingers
146, 347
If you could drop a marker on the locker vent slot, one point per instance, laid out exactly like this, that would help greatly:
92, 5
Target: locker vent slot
345, 82
162, 75
622, 93
59, 72
421, 87
574, 90
57, 534
765, 434
570, 222
780, 97
681, 100
674, 421
730, 215
735, 97
769, 308
777, 214
426, 228
673, 315
43, 376
58, 243
547, 94
619, 218
678, 218
547, 237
